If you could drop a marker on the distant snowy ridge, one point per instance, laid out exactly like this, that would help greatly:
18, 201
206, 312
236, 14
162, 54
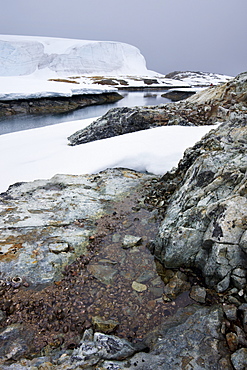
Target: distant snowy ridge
26, 55
199, 78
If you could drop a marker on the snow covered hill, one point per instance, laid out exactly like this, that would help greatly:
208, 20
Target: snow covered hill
199, 78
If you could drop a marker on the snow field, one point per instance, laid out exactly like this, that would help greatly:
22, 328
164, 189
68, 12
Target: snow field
44, 152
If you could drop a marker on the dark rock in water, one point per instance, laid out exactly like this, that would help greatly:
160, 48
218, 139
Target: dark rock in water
204, 108
198, 294
104, 326
176, 95
190, 339
55, 105
15, 342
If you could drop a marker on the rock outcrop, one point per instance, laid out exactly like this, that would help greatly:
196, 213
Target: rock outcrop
47, 224
205, 221
199, 78
55, 105
204, 108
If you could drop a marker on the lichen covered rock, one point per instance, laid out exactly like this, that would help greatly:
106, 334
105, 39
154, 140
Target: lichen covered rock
205, 222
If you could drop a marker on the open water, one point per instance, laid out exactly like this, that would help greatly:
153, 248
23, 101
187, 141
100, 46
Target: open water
131, 99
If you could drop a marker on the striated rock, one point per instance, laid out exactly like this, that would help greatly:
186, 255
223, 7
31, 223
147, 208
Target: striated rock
204, 108
205, 221
55, 105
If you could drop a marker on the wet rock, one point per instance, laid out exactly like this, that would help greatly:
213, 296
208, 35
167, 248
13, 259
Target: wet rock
230, 311
244, 321
198, 294
240, 335
131, 241
238, 278
176, 285
191, 338
104, 326
103, 273
2, 315
15, 342
138, 287
239, 359
232, 341
176, 95
58, 247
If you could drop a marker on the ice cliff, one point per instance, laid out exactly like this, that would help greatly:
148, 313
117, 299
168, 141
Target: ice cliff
25, 55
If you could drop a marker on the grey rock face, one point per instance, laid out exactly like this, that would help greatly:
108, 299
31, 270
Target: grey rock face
190, 339
205, 222
46, 224
119, 121
15, 341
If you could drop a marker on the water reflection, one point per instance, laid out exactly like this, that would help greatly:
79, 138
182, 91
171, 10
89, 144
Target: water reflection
131, 99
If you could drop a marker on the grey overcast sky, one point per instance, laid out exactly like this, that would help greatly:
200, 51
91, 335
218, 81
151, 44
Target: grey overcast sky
198, 35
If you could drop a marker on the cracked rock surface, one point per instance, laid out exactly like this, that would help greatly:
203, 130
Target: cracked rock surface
205, 221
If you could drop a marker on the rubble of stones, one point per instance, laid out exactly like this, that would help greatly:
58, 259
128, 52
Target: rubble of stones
55, 104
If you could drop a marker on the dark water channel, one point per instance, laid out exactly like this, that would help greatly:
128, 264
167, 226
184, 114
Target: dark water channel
24, 122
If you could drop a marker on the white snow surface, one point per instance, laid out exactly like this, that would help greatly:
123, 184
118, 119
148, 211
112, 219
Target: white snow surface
44, 152
29, 63
196, 79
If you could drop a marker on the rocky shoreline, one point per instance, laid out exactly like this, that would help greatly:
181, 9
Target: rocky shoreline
78, 288
56, 104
